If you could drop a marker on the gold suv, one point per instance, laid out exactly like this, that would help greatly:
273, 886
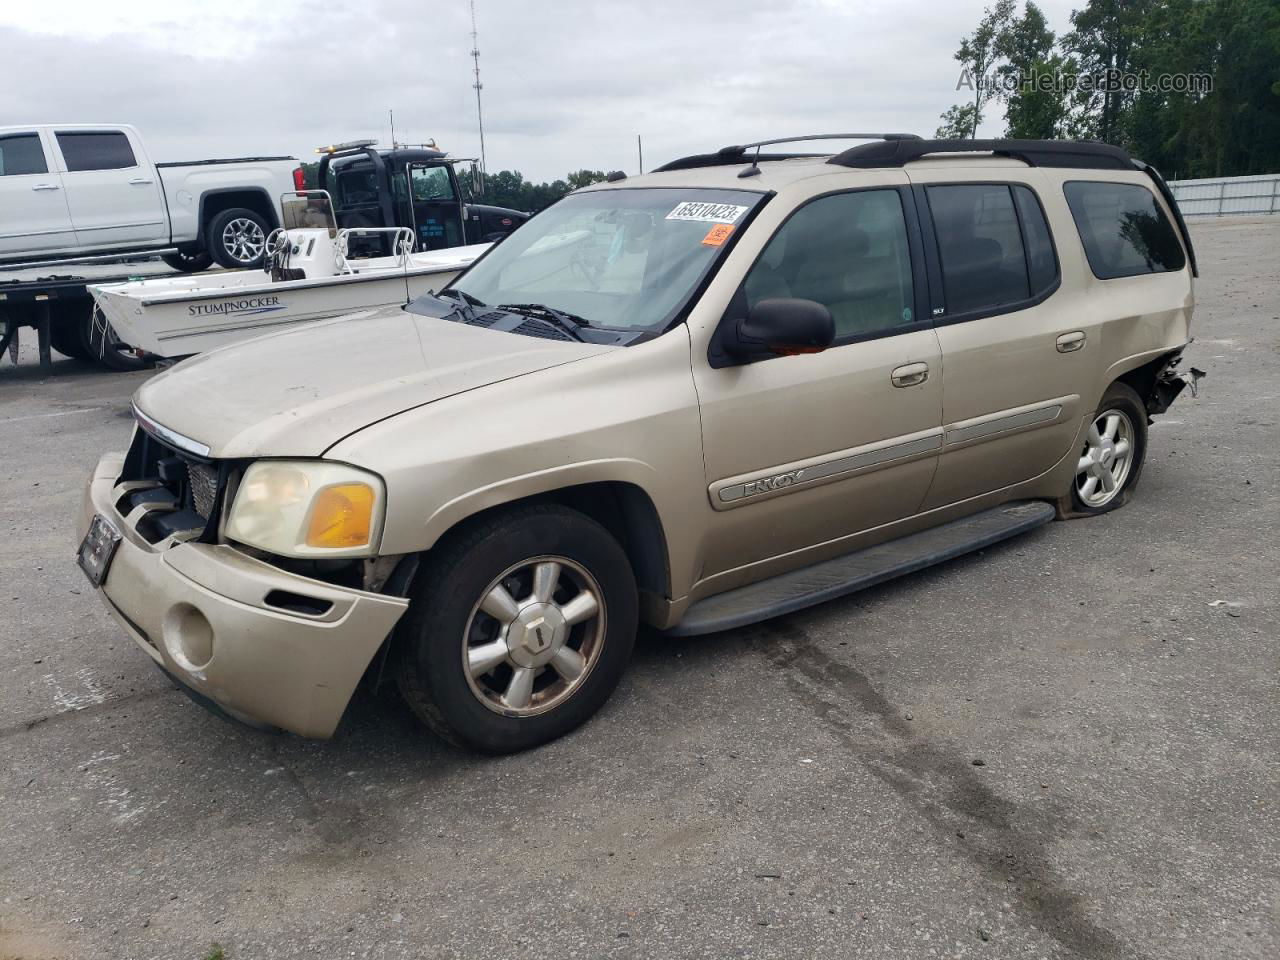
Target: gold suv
746, 383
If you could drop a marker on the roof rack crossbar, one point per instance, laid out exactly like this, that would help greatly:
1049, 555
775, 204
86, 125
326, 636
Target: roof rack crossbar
1084, 154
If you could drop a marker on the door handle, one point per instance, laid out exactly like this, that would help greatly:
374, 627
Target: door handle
1071, 342
46, 186
139, 181
910, 375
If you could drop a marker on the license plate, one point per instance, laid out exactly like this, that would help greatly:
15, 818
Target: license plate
97, 548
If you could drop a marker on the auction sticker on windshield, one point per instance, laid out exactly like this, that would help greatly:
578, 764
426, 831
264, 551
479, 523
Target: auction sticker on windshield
707, 212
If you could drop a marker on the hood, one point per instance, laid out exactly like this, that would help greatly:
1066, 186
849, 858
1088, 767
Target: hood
298, 393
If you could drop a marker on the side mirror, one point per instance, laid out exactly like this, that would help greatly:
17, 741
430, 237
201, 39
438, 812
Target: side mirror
780, 326
477, 181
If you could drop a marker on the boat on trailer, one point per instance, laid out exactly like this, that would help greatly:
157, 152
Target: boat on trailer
309, 275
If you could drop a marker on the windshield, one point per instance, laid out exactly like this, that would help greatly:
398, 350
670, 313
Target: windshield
627, 259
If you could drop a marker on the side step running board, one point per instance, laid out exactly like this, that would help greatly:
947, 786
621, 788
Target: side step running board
824, 581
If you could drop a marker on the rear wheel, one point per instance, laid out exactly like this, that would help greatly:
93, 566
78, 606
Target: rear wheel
1111, 457
519, 629
237, 238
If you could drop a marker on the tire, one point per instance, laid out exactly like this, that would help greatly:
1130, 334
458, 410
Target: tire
1105, 476
192, 262
502, 564
237, 238
99, 341
65, 335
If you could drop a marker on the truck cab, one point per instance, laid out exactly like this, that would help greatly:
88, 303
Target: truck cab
414, 187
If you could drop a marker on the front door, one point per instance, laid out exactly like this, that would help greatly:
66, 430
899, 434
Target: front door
435, 208
801, 450
114, 199
33, 206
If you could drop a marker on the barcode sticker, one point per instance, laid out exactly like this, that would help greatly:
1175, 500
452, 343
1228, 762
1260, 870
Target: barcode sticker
707, 212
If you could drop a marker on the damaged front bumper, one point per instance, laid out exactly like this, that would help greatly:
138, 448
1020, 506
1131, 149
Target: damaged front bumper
229, 626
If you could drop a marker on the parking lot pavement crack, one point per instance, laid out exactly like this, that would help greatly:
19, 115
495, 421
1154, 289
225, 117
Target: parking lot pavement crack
79, 713
1008, 843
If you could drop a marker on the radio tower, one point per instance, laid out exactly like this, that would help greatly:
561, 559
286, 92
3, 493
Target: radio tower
475, 58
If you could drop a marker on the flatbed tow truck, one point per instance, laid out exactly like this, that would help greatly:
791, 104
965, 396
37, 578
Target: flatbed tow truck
50, 297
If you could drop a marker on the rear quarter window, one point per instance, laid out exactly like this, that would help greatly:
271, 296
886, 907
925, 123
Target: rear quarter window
1124, 231
96, 150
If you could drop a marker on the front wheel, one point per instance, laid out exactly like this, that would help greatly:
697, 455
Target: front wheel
237, 238
519, 629
1111, 458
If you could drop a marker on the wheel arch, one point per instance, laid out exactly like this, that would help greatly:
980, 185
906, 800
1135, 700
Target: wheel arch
624, 508
214, 202
1142, 373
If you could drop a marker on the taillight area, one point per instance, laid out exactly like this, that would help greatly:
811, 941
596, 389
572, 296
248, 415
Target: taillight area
299, 179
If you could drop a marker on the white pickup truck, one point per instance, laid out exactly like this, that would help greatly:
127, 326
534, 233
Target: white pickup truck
76, 190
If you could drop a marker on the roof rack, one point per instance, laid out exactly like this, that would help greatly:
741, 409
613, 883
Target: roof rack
1083, 154
738, 152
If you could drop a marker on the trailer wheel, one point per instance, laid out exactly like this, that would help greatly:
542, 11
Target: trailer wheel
237, 238
67, 341
105, 347
189, 261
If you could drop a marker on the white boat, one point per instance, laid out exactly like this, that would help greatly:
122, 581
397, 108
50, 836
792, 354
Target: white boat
309, 275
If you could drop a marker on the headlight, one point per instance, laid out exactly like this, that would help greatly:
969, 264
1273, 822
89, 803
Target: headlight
307, 508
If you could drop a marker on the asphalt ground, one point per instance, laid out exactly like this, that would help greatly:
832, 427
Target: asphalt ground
1065, 746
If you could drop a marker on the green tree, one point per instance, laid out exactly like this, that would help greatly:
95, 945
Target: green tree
957, 123
979, 53
584, 178
1032, 111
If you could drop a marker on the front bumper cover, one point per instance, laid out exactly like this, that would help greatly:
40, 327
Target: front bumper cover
200, 611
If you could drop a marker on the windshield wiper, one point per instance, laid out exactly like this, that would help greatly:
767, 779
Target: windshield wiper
568, 322
466, 302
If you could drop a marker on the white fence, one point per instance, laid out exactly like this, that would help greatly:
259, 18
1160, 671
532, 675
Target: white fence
1228, 196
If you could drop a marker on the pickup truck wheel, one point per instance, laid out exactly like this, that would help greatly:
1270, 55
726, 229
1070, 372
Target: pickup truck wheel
1111, 459
101, 344
188, 262
237, 238
518, 630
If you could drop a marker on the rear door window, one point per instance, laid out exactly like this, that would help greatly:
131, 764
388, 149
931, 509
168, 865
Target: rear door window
96, 150
1124, 231
984, 263
21, 154
1042, 260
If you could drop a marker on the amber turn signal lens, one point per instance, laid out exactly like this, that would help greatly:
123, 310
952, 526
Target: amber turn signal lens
341, 516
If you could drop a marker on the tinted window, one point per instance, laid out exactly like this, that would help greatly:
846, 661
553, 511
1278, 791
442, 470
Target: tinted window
21, 154
849, 252
96, 151
980, 245
1124, 231
1042, 263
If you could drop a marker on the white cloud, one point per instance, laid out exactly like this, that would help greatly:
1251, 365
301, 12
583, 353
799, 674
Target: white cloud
566, 84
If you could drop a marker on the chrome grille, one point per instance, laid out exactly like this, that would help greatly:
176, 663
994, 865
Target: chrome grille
203, 479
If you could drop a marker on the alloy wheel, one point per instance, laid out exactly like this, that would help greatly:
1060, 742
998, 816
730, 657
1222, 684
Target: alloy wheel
534, 636
243, 239
1106, 460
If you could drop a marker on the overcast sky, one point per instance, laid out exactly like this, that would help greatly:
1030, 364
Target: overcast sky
567, 84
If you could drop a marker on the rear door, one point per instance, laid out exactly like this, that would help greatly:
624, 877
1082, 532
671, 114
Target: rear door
112, 190
33, 206
1017, 352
